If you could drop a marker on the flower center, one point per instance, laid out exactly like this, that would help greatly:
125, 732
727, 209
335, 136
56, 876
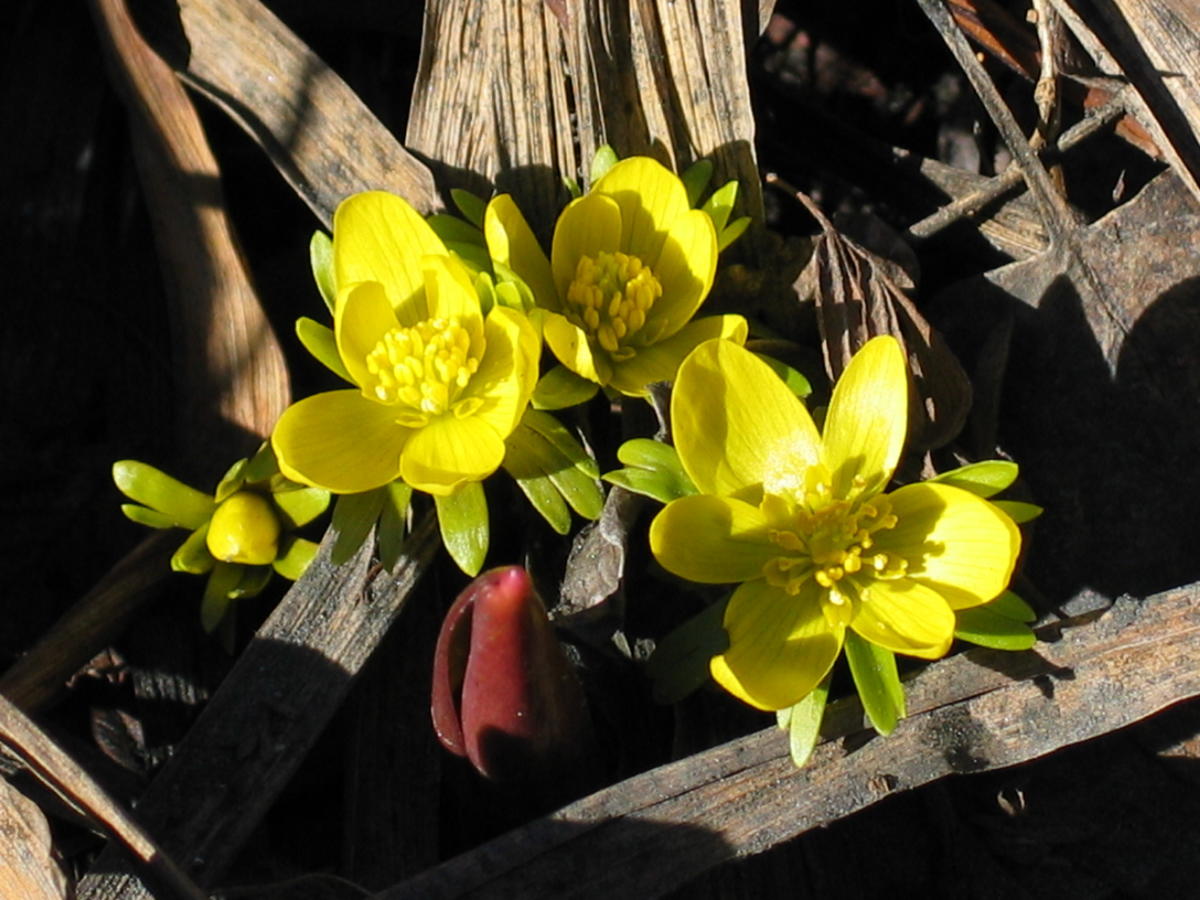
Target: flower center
610, 297
834, 545
423, 367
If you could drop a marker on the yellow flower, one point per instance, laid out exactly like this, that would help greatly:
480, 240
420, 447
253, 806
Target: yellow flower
629, 266
439, 384
801, 518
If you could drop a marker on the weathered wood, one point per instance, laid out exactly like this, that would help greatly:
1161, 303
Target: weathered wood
48, 761
28, 868
266, 715
977, 711
230, 370
314, 128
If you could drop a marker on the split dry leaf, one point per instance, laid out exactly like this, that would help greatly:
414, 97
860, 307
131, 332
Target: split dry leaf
27, 866
857, 298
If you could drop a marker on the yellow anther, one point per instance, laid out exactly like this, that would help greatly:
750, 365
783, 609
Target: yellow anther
610, 297
422, 367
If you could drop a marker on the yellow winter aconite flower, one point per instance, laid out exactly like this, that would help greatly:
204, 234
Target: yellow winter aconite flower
800, 517
440, 385
629, 266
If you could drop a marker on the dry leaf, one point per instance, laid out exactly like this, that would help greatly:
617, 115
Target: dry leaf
27, 866
856, 300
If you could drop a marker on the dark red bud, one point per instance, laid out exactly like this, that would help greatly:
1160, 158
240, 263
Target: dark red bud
504, 694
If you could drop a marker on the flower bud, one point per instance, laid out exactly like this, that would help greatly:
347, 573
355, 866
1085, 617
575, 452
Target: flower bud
244, 529
504, 694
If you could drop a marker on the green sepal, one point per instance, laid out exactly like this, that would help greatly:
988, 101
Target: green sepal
452, 229
151, 518
231, 482
354, 516
295, 554
983, 479
1011, 605
392, 521
803, 722
318, 340
217, 594
730, 234
560, 388
301, 505
463, 522
470, 205
320, 257
720, 204
796, 383
679, 664
656, 470
524, 465
1017, 511
989, 628
144, 484
193, 556
877, 680
695, 179
605, 158
263, 465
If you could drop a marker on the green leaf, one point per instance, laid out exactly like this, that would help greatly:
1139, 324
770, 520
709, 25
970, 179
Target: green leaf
983, 626
151, 518
262, 465
720, 204
505, 275
560, 388
300, 505
146, 485
231, 482
572, 186
983, 479
453, 229
320, 257
295, 554
695, 179
523, 465
473, 256
486, 291
508, 294
253, 580
354, 516
605, 158
655, 485
657, 471
392, 520
463, 521
320, 342
733, 232
679, 664
193, 556
557, 434
1017, 511
470, 205
1011, 605
804, 723
877, 681
795, 382
217, 594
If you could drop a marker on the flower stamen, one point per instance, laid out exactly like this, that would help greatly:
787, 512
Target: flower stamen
423, 367
610, 297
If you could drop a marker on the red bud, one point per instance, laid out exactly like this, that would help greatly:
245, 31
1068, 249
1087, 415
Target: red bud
504, 694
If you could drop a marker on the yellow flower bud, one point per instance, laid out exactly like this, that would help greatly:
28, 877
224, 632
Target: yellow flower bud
244, 529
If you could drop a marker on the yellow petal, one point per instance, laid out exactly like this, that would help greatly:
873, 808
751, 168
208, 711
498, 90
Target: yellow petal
377, 236
588, 225
450, 292
508, 371
511, 243
570, 344
339, 441
448, 452
737, 427
780, 646
652, 199
905, 617
660, 362
955, 543
363, 317
712, 540
685, 269
868, 417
